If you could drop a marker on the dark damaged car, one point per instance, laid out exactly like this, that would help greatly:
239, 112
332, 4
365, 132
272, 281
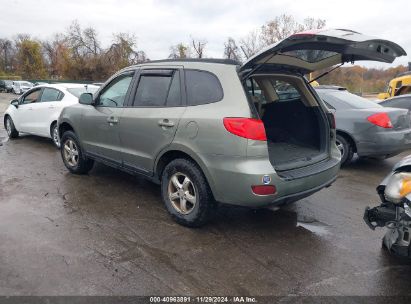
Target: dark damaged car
394, 212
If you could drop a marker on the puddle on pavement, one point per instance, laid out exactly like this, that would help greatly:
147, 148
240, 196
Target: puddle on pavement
317, 228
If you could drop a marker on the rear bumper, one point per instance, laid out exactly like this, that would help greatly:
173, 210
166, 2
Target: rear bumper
383, 143
232, 178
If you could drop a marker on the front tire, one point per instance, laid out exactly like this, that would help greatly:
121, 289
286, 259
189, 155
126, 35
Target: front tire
73, 155
10, 128
186, 193
54, 133
345, 148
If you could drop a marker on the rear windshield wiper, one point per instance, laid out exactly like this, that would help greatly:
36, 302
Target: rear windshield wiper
326, 73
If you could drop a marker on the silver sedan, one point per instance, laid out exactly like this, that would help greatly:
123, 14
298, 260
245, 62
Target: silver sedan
364, 127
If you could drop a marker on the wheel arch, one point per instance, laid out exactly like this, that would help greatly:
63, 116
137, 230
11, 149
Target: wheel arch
168, 155
5, 117
65, 126
349, 138
54, 121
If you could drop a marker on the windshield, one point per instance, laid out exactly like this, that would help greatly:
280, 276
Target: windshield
346, 100
78, 91
26, 83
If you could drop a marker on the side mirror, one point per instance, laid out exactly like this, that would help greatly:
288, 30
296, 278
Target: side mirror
86, 99
15, 102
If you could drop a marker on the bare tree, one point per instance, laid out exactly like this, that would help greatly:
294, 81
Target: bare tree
279, 28
83, 42
312, 24
275, 30
231, 50
285, 25
123, 52
198, 46
6, 48
56, 52
250, 44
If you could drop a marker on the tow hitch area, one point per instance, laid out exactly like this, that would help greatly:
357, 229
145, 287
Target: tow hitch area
396, 219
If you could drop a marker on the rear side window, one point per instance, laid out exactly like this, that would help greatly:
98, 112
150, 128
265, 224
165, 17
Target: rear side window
156, 90
403, 103
51, 95
202, 87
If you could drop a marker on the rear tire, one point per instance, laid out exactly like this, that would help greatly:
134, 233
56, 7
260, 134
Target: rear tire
10, 128
73, 155
186, 193
345, 148
54, 133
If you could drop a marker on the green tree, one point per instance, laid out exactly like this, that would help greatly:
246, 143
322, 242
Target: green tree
30, 63
180, 50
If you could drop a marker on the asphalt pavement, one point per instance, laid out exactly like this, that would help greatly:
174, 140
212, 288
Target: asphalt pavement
108, 233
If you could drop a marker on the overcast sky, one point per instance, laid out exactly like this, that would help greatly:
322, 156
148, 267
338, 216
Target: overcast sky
158, 24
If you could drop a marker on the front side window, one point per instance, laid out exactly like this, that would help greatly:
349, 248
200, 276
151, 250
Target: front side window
202, 87
32, 97
115, 93
157, 90
50, 94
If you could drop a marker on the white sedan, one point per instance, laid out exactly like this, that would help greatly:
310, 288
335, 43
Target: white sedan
20, 87
37, 110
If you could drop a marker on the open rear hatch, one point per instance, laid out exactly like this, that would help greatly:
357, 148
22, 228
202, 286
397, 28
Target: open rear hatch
297, 128
315, 50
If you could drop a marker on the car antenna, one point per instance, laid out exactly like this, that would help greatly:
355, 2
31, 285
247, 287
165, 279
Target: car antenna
325, 73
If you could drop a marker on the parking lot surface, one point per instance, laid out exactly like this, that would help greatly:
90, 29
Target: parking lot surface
107, 233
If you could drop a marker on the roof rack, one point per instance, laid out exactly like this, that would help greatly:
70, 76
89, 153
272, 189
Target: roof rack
207, 60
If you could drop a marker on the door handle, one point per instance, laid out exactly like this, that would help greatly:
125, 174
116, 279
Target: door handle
112, 120
51, 107
30, 108
165, 123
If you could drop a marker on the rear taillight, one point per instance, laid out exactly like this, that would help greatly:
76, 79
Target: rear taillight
331, 119
264, 189
381, 120
249, 128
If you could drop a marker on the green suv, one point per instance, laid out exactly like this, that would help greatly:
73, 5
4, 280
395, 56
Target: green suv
214, 131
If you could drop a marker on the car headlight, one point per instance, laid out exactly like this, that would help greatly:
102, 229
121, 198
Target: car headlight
398, 186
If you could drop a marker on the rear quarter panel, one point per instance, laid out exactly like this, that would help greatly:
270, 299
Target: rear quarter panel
201, 127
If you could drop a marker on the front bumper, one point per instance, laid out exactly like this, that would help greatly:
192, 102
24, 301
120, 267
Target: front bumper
386, 143
397, 238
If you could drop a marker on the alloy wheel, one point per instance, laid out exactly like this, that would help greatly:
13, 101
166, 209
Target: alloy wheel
340, 147
182, 193
8, 126
71, 153
56, 137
